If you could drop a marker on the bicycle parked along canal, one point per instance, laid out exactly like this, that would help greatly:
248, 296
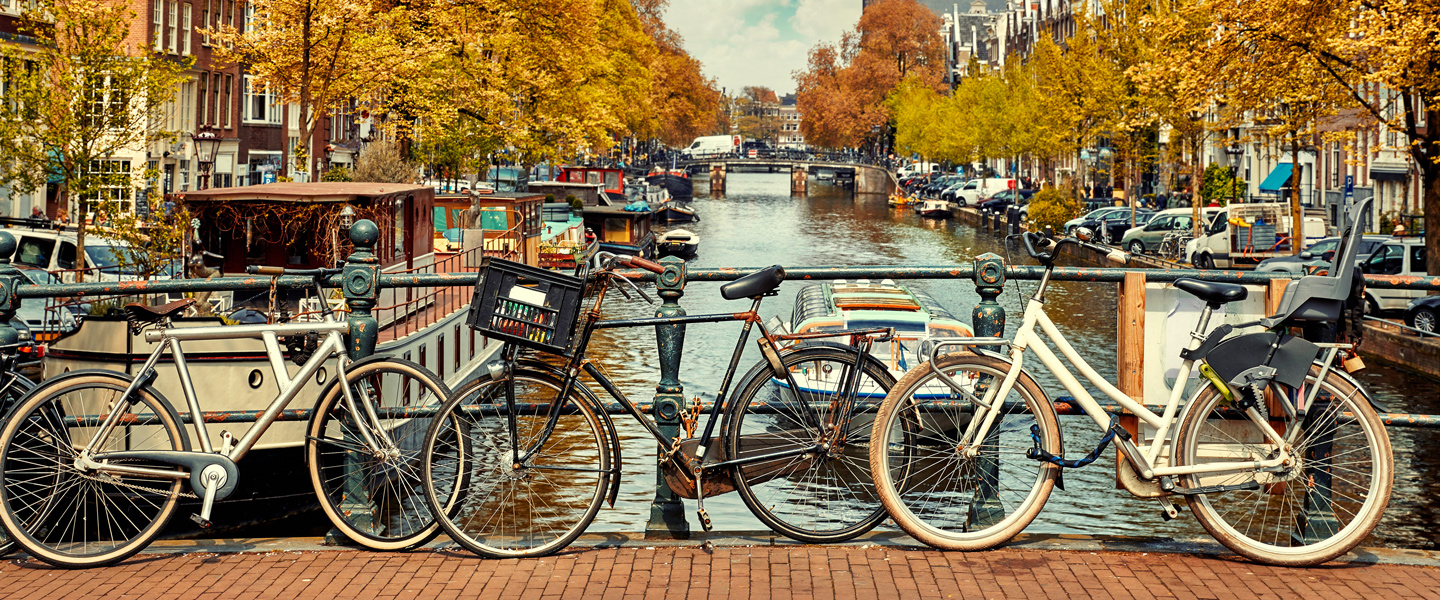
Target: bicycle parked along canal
95, 462
1279, 452
536, 453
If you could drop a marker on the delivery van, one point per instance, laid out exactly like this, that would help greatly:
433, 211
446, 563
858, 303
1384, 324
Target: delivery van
1245, 234
712, 146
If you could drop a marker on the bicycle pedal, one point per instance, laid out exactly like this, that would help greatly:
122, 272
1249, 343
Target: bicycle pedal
1168, 510
705, 520
201, 521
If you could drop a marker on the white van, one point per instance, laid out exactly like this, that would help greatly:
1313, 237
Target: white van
917, 168
1227, 244
54, 251
976, 190
711, 146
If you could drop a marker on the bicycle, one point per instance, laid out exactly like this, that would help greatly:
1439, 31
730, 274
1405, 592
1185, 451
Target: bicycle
536, 453
1173, 245
13, 387
1280, 456
95, 462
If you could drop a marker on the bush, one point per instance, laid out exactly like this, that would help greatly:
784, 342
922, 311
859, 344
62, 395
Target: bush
336, 173
1219, 186
574, 202
1052, 207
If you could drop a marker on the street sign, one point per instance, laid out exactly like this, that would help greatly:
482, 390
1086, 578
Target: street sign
1349, 189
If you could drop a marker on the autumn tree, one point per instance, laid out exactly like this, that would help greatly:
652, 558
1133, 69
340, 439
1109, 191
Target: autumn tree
319, 54
843, 89
686, 103
84, 94
381, 161
758, 107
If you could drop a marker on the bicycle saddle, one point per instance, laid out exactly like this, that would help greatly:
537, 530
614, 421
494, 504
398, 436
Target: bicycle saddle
755, 284
1213, 292
154, 314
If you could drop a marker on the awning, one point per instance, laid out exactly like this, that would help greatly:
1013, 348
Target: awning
1277, 179
1389, 170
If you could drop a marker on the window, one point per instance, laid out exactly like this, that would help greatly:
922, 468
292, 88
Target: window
205, 24
66, 258
201, 116
35, 252
457, 348
110, 181
440, 356
107, 105
399, 228
1387, 261
213, 113
249, 16
260, 104
225, 102
1417, 259
185, 30
157, 9
172, 25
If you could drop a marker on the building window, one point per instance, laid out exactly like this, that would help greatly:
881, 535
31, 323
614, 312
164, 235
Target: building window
157, 10
185, 30
107, 104
205, 24
225, 101
172, 25
201, 116
249, 16
457, 348
110, 182
260, 104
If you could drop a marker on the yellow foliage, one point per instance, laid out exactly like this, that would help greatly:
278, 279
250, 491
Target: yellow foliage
1052, 207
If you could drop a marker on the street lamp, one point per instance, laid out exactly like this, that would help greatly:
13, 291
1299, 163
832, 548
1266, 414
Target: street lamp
347, 217
207, 143
1234, 150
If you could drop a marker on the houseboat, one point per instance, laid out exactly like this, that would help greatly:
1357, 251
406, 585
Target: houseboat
621, 231
297, 225
675, 181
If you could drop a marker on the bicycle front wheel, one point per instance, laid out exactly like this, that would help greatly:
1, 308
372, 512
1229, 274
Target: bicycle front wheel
1308, 512
71, 516
366, 471
815, 423
14, 388
490, 497
935, 488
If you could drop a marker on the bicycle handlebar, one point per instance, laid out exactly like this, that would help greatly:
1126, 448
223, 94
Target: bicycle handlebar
277, 271
643, 263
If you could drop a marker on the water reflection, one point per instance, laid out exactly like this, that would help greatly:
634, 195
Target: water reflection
758, 223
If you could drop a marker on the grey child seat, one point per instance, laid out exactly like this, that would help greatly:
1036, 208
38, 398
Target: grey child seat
1321, 298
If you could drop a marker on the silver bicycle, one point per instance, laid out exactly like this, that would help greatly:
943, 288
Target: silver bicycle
94, 462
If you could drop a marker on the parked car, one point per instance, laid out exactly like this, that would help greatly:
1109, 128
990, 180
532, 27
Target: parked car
1146, 238
933, 189
1422, 314
975, 189
53, 250
1319, 254
1398, 256
48, 318
1092, 215
1111, 226
1002, 199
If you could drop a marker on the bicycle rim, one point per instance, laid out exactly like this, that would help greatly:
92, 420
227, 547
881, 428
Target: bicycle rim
73, 518
825, 494
11, 392
1309, 512
937, 492
500, 508
374, 494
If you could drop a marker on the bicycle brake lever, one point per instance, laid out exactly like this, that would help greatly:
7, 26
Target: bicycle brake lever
634, 287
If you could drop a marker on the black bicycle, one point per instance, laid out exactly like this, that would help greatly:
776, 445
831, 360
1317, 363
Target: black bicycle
536, 452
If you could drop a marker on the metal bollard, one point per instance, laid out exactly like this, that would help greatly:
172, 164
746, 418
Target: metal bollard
667, 511
362, 290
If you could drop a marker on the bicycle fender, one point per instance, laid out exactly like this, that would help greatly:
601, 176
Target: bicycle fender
149, 389
1374, 403
1025, 374
611, 435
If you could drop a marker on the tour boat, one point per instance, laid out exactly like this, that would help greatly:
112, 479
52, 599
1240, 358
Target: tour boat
934, 209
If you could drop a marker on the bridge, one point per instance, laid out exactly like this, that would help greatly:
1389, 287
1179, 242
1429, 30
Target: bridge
861, 177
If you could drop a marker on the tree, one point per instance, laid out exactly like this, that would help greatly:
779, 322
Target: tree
382, 162
686, 103
759, 115
318, 54
843, 90
82, 96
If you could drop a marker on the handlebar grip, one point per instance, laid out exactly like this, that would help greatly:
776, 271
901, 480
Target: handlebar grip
647, 264
261, 270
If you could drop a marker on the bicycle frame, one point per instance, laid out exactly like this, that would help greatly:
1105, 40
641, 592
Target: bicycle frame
1144, 462
333, 344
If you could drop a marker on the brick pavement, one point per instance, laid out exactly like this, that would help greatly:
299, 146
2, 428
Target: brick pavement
694, 573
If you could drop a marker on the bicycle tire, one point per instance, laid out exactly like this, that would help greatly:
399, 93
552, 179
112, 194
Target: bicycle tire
376, 498
827, 496
927, 484
14, 388
38, 478
1239, 519
495, 508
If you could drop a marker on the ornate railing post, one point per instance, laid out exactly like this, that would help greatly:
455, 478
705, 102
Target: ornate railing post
667, 512
989, 321
360, 283
362, 288
10, 279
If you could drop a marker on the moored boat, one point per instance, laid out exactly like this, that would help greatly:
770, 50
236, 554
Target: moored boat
672, 212
675, 181
934, 209
679, 242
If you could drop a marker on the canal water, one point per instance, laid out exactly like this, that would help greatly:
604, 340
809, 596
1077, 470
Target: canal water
758, 223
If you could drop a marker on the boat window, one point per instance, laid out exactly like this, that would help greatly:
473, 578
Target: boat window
898, 325
617, 230
612, 181
35, 252
399, 228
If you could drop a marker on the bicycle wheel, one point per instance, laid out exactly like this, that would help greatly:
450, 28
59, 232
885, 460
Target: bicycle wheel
822, 491
375, 495
71, 517
933, 490
1317, 508
499, 507
14, 388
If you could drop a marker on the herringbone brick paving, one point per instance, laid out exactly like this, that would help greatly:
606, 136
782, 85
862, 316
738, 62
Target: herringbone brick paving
729, 573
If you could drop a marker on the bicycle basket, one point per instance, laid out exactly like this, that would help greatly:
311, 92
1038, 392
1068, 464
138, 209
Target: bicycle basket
526, 305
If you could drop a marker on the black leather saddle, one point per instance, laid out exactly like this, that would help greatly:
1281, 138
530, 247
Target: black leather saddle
1213, 292
139, 313
759, 283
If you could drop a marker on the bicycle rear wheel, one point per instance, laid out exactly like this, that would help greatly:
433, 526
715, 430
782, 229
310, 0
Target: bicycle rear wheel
72, 517
14, 388
818, 488
937, 492
375, 494
1317, 508
496, 507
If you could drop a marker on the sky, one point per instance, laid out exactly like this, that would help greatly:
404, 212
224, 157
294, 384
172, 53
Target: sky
758, 42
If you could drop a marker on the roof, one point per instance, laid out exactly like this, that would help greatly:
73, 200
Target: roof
304, 192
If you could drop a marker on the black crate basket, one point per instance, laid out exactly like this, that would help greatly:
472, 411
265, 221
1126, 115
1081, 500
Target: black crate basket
526, 305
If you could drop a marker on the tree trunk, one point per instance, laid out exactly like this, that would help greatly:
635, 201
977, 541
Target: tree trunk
1430, 196
1297, 213
64, 200
1197, 178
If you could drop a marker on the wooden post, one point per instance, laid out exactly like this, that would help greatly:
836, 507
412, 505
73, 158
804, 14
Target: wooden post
798, 180
717, 178
1130, 350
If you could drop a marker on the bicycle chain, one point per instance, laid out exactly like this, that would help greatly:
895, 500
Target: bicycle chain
182, 494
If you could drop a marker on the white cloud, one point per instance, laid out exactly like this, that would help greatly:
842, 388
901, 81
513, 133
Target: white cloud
758, 42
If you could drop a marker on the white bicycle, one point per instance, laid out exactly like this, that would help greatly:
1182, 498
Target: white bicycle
1279, 454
